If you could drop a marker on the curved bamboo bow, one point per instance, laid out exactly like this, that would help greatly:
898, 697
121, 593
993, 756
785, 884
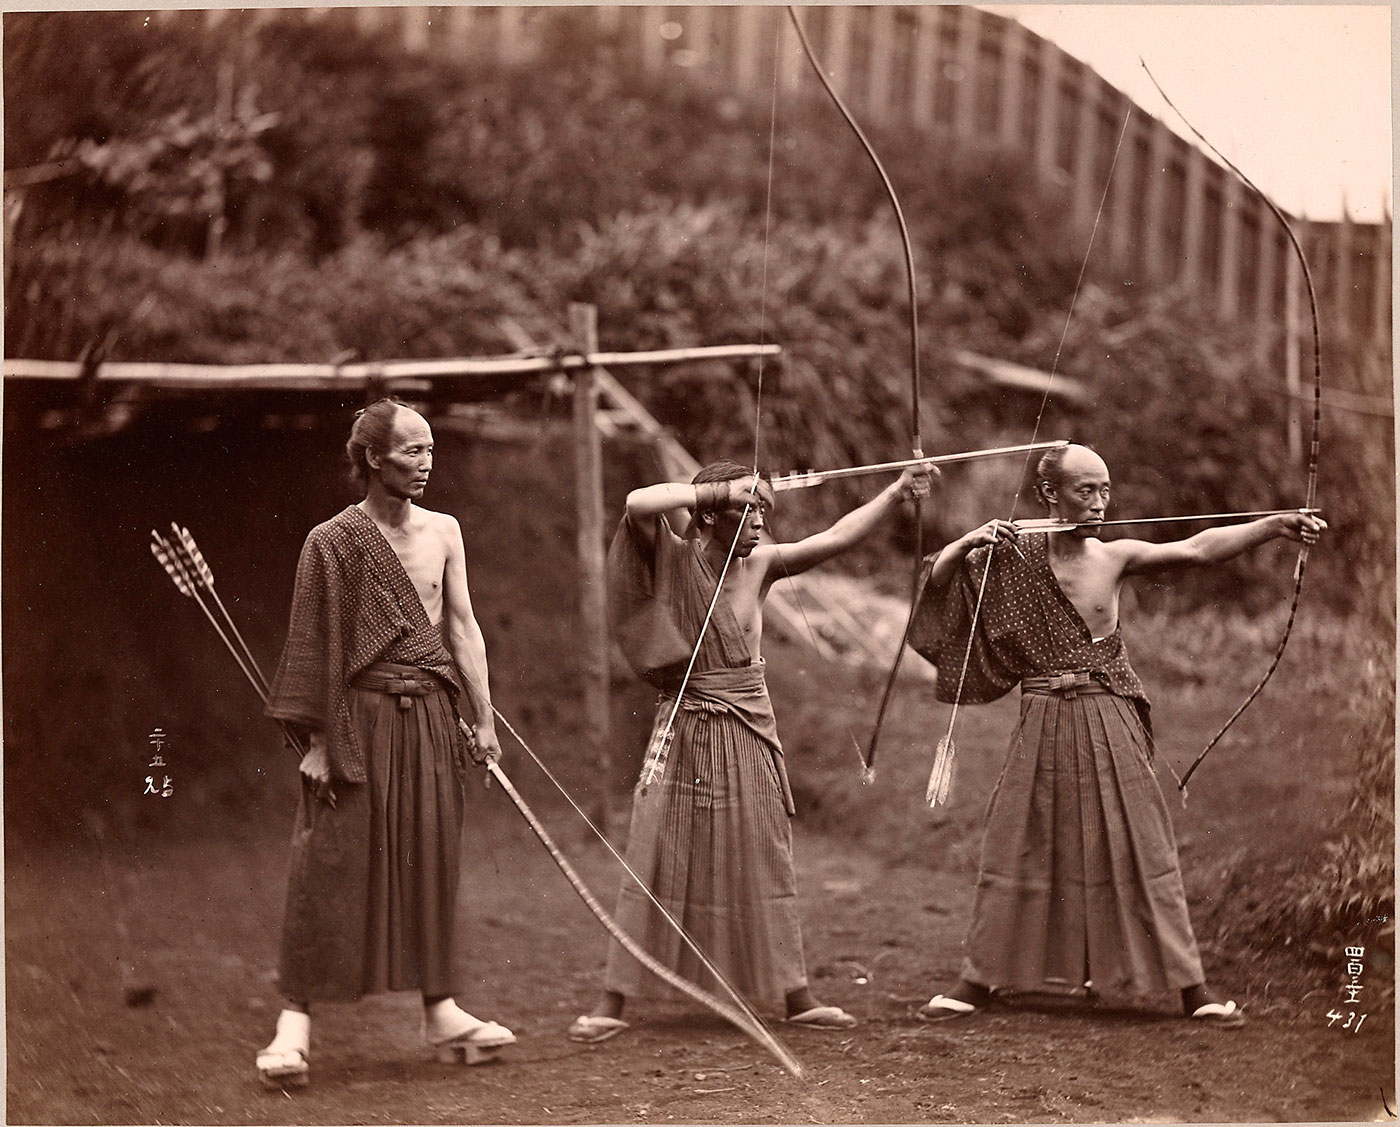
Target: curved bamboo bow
915, 427
1311, 493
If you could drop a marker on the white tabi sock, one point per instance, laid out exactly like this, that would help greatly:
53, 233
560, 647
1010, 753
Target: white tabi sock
293, 1032
447, 1021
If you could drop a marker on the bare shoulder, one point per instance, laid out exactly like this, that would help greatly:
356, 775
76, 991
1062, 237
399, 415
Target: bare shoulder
767, 555
1128, 553
442, 526
1112, 553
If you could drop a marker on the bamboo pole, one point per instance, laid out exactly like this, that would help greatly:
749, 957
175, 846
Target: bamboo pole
332, 377
588, 474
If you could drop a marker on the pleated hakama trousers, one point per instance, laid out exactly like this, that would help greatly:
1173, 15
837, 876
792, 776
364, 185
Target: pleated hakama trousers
1079, 878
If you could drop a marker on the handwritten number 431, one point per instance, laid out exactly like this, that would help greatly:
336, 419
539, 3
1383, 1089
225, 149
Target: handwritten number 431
1334, 1016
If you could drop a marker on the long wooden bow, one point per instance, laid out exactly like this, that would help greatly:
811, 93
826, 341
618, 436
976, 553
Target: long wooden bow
741, 1014
915, 413
1314, 450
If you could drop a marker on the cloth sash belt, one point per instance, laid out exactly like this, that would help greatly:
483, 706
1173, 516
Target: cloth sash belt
402, 681
1067, 685
742, 691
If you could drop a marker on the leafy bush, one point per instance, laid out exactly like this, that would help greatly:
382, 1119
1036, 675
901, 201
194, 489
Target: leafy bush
1342, 888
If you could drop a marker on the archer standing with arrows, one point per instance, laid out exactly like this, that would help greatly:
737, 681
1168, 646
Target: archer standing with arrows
1079, 884
383, 644
710, 834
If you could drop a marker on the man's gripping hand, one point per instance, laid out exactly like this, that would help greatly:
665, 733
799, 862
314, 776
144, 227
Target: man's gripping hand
1302, 526
316, 768
916, 482
482, 744
744, 490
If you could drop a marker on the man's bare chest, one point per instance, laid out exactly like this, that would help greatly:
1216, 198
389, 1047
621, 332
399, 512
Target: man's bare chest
424, 560
1092, 589
745, 597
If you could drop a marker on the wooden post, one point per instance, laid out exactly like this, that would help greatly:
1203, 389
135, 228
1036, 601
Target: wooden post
969, 58
837, 56
881, 52
925, 51
1228, 285
1122, 219
1085, 157
593, 613
1013, 74
1047, 124
1380, 291
1265, 310
1193, 224
749, 38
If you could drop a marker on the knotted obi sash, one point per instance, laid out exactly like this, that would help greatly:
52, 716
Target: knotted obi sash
1067, 685
402, 681
742, 692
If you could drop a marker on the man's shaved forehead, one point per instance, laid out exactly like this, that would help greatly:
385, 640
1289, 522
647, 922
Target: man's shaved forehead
1081, 460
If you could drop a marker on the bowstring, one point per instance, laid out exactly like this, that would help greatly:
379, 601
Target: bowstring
1314, 449
758, 411
1039, 417
793, 586
656, 762
796, 590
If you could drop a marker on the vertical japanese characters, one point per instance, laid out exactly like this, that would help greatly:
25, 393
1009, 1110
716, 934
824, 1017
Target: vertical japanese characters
158, 739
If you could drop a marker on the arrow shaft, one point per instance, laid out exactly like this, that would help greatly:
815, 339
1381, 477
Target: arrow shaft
1046, 525
171, 565
818, 477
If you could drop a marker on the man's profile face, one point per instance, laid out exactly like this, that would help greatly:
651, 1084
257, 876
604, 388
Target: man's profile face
732, 522
404, 464
1082, 493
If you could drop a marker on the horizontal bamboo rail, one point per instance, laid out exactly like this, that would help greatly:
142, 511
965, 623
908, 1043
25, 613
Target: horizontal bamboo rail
331, 377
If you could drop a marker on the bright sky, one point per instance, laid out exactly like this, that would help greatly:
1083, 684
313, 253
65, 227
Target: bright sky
1298, 95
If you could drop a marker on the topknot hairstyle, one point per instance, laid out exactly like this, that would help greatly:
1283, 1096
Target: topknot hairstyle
1048, 469
371, 431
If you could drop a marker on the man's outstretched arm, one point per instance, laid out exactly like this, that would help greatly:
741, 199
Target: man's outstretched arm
654, 500
854, 527
1216, 545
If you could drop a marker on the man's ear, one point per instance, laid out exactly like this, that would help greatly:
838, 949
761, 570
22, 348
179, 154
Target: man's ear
371, 458
1048, 491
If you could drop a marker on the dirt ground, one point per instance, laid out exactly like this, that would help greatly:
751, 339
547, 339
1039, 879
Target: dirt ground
201, 919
